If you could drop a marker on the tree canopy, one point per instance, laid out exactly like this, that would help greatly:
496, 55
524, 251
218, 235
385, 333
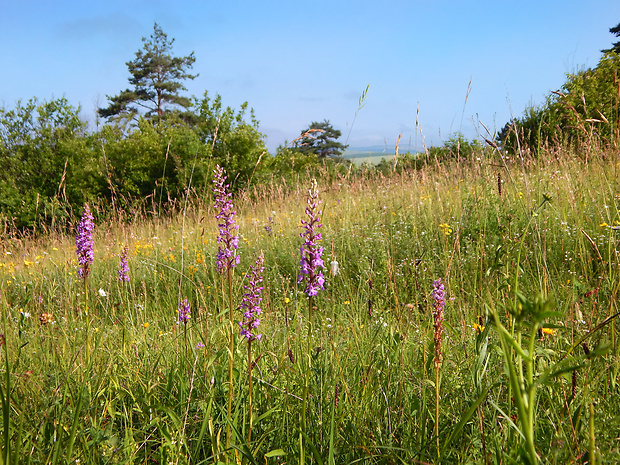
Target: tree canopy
321, 140
616, 45
232, 137
156, 77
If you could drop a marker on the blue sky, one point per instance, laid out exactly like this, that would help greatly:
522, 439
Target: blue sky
298, 62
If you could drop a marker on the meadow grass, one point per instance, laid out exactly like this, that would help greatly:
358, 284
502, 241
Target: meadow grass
529, 368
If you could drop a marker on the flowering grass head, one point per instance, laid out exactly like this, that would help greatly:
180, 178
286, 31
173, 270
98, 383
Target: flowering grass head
228, 240
250, 303
311, 252
84, 242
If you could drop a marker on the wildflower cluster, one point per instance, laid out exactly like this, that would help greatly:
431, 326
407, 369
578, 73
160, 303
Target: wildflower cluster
439, 303
84, 242
46, 318
311, 253
445, 229
142, 248
251, 301
228, 241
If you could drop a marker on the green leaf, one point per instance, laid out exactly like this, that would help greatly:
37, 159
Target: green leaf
275, 453
465, 418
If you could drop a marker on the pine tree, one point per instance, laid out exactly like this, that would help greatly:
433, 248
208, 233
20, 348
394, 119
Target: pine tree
156, 77
320, 139
616, 46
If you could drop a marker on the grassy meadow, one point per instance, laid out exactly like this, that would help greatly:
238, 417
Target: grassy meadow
102, 371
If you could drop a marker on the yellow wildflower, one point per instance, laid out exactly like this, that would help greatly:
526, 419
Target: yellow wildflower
445, 228
548, 331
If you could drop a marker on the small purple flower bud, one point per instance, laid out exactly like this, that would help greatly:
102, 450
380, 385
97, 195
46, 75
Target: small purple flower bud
123, 271
84, 242
184, 312
336, 393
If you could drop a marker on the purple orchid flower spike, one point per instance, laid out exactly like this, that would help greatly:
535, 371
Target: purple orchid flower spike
84, 242
228, 239
311, 252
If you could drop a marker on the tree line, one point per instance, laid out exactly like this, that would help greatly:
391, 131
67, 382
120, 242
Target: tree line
156, 146
583, 114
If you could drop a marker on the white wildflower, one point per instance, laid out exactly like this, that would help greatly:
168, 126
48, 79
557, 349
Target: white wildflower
334, 267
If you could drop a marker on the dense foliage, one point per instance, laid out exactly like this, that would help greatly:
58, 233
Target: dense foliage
583, 112
51, 164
